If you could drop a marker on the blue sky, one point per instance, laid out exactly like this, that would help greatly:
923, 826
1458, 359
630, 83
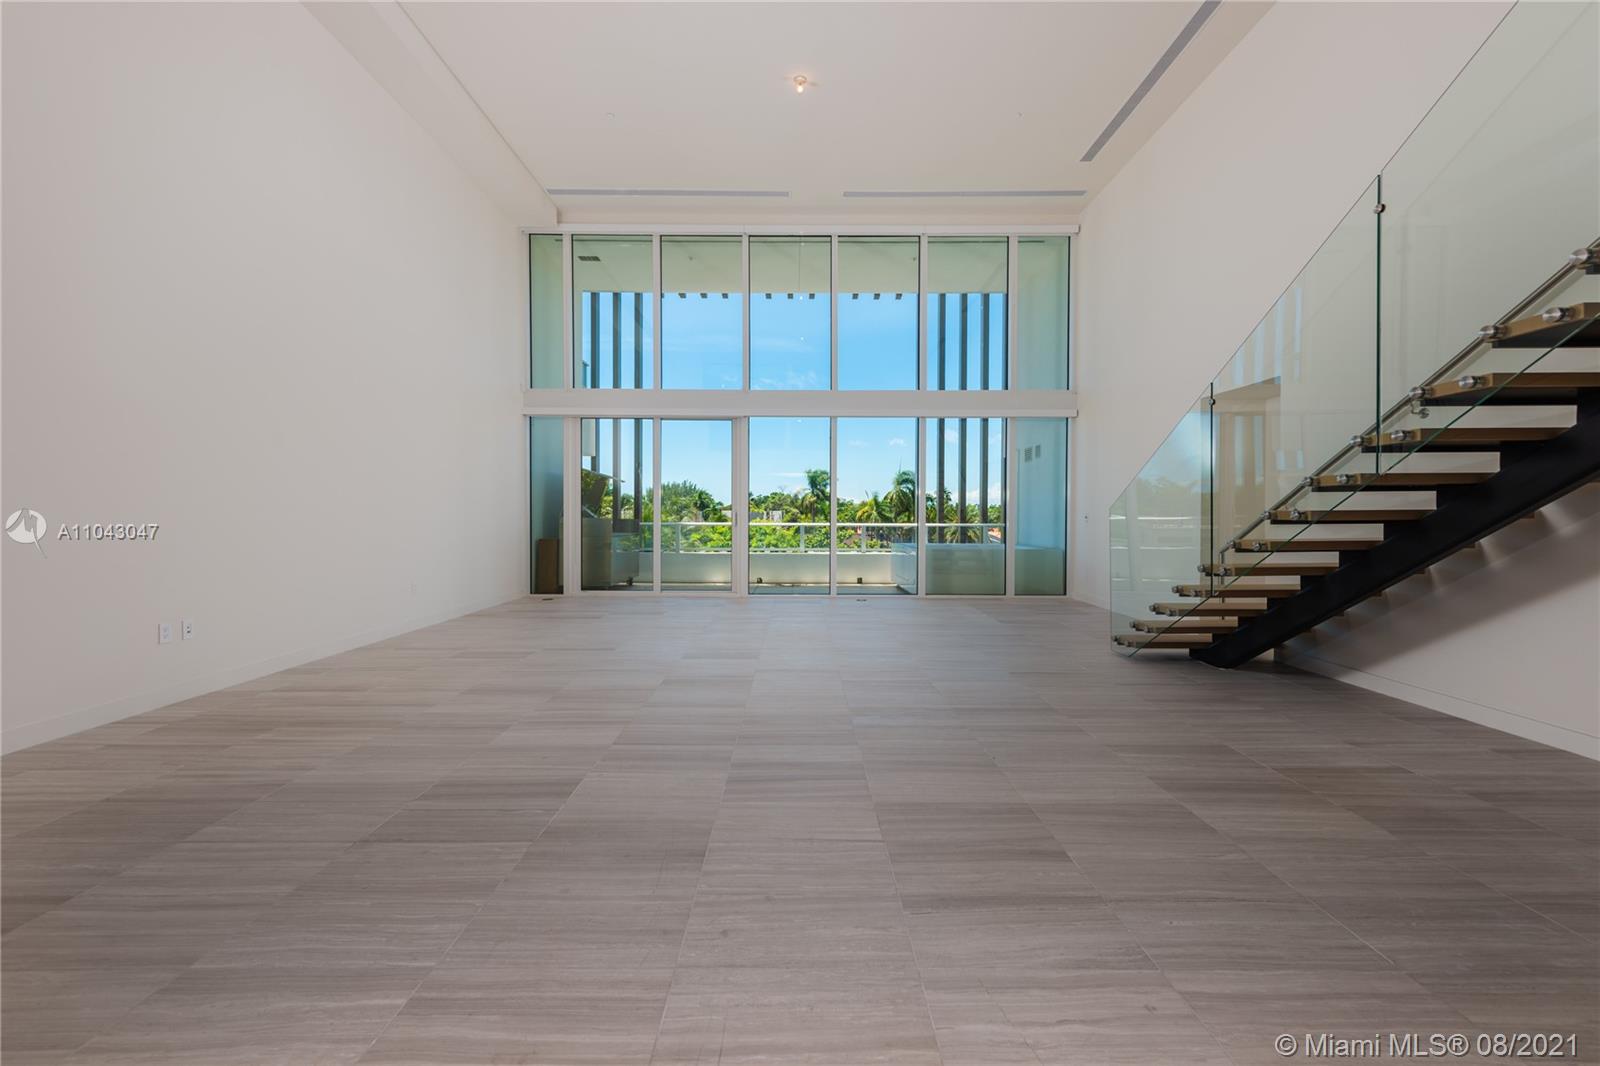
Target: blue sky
870, 451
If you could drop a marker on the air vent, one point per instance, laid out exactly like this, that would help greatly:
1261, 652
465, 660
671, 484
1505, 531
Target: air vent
739, 193
1168, 57
923, 194
588, 259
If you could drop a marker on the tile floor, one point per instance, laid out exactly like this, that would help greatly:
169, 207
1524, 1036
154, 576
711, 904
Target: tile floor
642, 830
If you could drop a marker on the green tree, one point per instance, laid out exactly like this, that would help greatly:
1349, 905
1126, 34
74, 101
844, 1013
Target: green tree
684, 501
873, 509
902, 497
815, 498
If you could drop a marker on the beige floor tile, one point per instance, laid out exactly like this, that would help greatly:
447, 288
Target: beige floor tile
636, 829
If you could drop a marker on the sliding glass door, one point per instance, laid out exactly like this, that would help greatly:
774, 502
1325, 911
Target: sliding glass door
696, 505
876, 534
966, 506
852, 505
790, 505
614, 482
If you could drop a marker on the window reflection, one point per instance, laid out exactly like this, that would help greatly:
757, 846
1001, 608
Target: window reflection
702, 313
967, 312
612, 312
614, 485
790, 321
966, 506
878, 284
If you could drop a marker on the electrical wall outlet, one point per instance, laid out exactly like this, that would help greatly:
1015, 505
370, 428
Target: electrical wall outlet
186, 628
164, 632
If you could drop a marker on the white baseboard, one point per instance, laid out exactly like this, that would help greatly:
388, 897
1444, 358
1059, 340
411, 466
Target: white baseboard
26, 736
1492, 717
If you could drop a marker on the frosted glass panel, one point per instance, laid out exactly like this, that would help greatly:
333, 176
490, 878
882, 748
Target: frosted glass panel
1041, 519
544, 311
1043, 319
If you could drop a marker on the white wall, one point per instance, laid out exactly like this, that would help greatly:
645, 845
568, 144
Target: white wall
1190, 243
1503, 635
248, 298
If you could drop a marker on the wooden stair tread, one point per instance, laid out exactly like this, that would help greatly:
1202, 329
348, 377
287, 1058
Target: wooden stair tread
1159, 640
1458, 438
1231, 609
1263, 590
1530, 387
1214, 624
1307, 544
1577, 329
1268, 569
1402, 480
1286, 516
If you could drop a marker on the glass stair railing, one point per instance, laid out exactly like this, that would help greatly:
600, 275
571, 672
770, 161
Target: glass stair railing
1442, 335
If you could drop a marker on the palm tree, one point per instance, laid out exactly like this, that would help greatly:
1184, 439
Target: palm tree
816, 494
872, 509
902, 497
940, 503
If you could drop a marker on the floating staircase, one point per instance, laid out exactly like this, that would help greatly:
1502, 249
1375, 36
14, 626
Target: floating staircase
1300, 563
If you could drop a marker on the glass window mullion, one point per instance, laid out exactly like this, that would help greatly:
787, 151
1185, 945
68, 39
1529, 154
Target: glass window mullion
744, 271
833, 311
655, 326
925, 309
833, 506
1011, 311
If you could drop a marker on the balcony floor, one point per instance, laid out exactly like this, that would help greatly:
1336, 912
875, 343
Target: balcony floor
636, 829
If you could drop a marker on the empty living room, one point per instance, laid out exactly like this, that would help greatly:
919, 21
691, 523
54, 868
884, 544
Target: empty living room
834, 533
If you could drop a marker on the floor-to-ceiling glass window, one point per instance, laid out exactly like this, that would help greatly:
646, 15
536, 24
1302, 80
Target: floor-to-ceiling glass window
878, 286
614, 484
612, 315
876, 534
696, 505
1041, 505
789, 505
855, 487
790, 312
966, 506
967, 312
702, 312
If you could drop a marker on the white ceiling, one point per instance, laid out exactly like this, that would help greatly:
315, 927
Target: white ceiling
904, 97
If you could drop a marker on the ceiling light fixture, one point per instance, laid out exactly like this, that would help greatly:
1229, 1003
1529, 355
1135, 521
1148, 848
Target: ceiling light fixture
800, 83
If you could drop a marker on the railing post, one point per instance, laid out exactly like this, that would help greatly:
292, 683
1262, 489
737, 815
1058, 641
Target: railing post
1377, 325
